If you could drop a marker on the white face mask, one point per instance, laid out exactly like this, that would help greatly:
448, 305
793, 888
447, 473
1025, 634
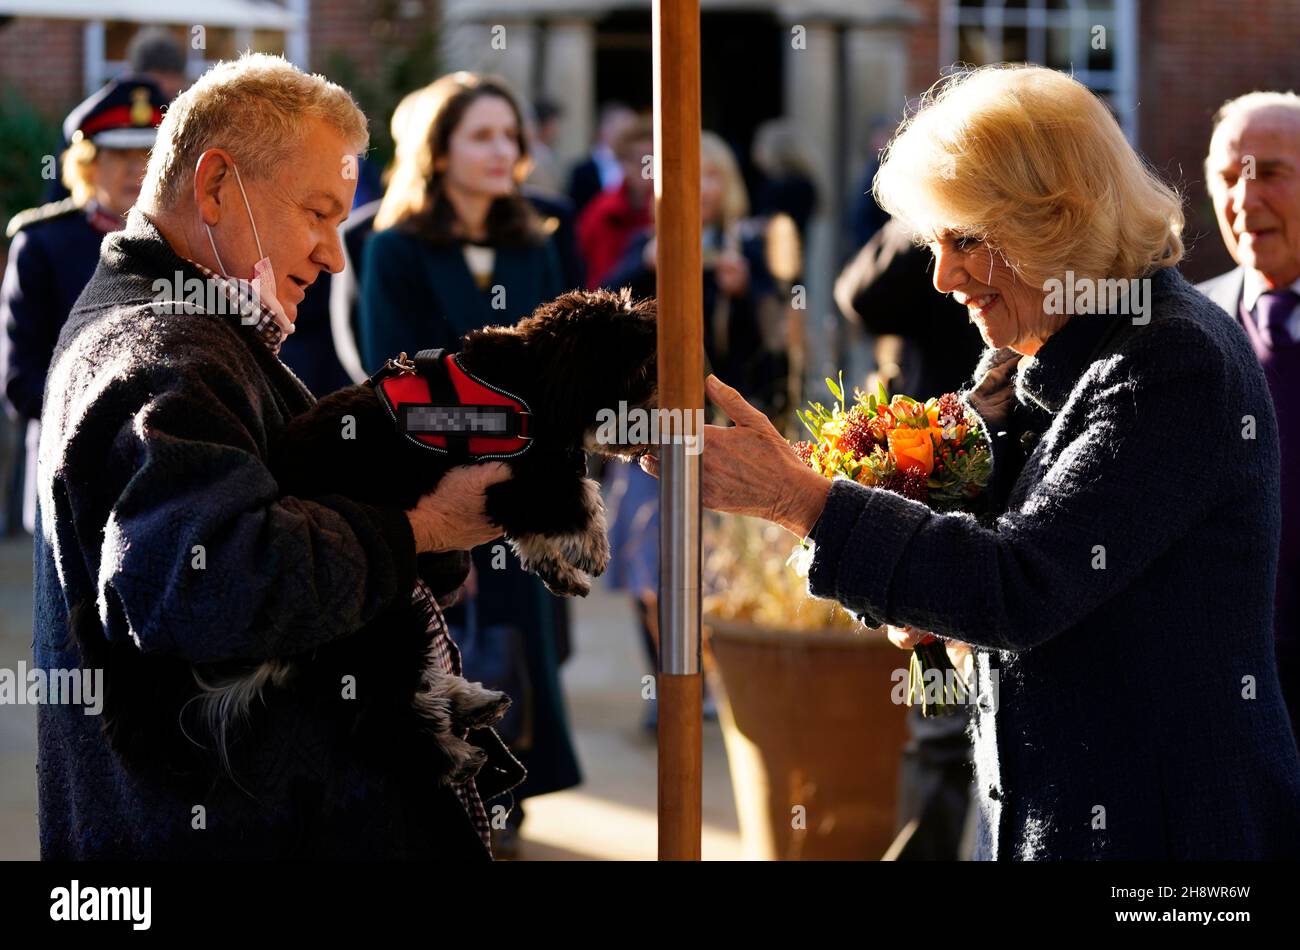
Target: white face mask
262, 287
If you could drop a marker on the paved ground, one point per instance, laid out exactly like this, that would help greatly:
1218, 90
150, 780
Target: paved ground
610, 817
17, 723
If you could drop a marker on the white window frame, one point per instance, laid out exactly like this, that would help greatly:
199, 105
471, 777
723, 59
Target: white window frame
1118, 84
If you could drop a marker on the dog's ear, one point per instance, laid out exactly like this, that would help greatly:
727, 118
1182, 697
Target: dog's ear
575, 355
503, 353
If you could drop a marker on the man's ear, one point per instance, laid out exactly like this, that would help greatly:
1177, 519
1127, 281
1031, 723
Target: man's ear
210, 175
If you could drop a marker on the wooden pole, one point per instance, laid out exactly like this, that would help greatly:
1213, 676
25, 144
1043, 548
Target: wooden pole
676, 28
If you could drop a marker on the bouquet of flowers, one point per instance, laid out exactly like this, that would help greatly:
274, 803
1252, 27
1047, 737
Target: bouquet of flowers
934, 452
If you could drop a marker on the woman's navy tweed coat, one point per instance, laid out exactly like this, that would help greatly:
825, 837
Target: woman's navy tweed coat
1137, 712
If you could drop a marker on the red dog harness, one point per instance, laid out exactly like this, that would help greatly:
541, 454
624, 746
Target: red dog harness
441, 406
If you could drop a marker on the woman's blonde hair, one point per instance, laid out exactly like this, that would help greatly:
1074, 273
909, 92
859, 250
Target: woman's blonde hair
415, 199
735, 200
1032, 162
255, 107
78, 170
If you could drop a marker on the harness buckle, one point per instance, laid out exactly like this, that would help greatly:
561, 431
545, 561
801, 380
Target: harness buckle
401, 363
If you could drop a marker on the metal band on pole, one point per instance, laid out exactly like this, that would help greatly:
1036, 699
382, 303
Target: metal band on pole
679, 532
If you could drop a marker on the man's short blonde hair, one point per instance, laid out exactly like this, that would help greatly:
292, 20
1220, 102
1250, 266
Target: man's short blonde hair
1032, 162
255, 107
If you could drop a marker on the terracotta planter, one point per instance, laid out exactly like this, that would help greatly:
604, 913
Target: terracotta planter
808, 721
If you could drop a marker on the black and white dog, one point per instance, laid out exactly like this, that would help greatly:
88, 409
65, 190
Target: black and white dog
527, 394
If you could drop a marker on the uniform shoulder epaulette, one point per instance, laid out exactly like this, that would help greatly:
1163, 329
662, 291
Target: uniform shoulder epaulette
44, 213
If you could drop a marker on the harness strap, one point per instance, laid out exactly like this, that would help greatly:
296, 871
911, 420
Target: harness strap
430, 365
438, 404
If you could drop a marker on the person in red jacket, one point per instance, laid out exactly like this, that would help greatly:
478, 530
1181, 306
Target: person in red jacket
613, 217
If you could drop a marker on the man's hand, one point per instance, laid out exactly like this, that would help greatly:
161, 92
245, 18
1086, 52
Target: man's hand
905, 638
749, 469
452, 517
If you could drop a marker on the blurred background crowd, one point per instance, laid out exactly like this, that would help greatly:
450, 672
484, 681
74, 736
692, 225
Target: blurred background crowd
512, 160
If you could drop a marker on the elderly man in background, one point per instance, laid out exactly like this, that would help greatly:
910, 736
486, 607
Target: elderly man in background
1253, 175
159, 415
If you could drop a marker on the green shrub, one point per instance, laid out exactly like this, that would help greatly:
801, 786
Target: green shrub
31, 150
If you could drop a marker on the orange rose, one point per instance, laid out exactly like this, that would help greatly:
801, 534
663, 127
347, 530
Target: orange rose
913, 449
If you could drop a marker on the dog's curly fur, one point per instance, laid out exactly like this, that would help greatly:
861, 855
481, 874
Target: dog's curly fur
574, 356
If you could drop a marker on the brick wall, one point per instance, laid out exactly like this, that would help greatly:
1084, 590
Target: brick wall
1193, 55
42, 60
365, 31
923, 47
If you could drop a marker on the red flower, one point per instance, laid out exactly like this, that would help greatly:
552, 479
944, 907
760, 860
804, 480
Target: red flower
857, 436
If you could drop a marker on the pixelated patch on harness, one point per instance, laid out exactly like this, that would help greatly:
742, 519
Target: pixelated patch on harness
443, 420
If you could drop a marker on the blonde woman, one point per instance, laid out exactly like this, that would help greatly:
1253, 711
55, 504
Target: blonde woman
1120, 604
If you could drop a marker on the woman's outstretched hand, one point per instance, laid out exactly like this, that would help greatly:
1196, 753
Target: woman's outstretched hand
749, 469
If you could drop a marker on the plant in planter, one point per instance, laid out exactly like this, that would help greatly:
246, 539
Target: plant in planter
812, 731
746, 579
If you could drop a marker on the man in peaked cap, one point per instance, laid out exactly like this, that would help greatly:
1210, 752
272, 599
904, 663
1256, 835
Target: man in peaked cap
56, 247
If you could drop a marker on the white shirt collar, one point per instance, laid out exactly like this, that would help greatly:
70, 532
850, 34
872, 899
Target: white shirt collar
1254, 287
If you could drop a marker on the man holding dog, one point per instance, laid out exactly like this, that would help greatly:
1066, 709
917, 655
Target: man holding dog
160, 527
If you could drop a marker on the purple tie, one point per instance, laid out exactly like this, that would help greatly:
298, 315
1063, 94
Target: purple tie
1273, 312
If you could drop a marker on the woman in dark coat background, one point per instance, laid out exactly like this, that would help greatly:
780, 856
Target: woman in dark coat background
1120, 605
456, 247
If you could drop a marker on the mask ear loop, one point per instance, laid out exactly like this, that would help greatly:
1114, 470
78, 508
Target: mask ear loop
247, 207
214, 252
